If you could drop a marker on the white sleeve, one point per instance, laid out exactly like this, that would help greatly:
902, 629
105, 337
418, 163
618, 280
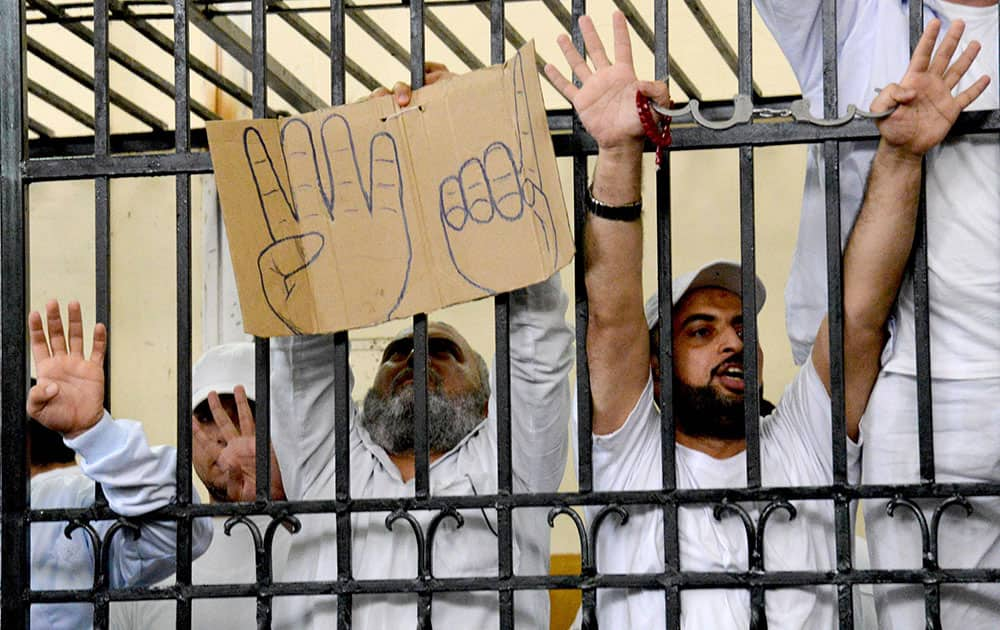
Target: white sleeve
801, 429
630, 458
137, 479
302, 411
797, 26
541, 356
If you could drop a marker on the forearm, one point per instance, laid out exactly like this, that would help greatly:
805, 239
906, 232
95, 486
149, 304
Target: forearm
880, 243
137, 479
541, 354
617, 338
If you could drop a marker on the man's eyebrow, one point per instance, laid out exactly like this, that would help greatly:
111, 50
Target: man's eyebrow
698, 317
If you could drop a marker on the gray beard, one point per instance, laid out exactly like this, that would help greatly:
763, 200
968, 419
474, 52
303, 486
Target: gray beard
389, 419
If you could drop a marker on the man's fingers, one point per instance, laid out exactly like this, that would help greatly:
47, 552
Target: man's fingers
40, 395
595, 47
100, 344
275, 205
435, 66
946, 50
402, 93
573, 57
623, 42
968, 96
298, 148
39, 343
53, 321
245, 415
75, 321
961, 65
561, 83
222, 419
890, 96
920, 60
658, 91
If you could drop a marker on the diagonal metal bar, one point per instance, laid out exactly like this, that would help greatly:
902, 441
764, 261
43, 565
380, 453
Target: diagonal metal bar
40, 129
164, 43
236, 42
515, 38
452, 41
120, 56
718, 39
560, 12
394, 48
379, 34
52, 58
320, 41
645, 33
65, 106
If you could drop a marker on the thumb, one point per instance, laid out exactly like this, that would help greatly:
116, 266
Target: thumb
892, 95
658, 91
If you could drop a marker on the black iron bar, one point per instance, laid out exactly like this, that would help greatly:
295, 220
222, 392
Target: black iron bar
320, 41
117, 99
15, 541
718, 38
64, 105
163, 42
647, 36
243, 49
835, 318
121, 57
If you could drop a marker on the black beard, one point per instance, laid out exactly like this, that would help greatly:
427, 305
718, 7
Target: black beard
703, 412
389, 419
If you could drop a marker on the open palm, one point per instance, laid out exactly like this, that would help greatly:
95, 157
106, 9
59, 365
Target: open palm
69, 396
927, 110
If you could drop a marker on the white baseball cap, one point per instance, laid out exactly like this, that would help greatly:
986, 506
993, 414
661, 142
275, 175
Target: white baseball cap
724, 274
221, 369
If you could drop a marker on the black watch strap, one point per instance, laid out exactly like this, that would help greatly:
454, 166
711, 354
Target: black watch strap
630, 212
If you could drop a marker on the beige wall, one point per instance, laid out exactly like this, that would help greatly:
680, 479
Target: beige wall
143, 331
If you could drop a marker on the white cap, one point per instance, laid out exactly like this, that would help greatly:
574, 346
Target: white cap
221, 369
724, 274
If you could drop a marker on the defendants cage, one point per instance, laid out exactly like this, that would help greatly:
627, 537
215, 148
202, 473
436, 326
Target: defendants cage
181, 152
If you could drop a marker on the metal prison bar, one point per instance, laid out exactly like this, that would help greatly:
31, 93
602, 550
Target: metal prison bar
18, 169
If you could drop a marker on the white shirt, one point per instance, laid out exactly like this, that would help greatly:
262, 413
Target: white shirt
136, 479
963, 190
795, 450
302, 398
229, 560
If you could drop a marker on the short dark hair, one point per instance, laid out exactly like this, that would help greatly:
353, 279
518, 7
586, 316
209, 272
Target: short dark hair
45, 445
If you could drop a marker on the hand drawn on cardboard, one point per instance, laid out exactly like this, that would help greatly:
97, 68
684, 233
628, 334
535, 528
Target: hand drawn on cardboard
360, 206
490, 193
362, 213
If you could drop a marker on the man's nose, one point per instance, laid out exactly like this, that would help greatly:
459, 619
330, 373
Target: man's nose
732, 341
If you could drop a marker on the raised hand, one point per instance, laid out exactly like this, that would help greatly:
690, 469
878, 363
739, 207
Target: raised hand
69, 396
605, 101
926, 108
326, 187
238, 456
493, 196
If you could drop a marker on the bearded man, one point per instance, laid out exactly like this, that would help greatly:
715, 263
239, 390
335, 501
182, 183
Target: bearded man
708, 353
462, 431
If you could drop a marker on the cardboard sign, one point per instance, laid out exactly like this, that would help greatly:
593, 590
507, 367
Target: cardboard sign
359, 214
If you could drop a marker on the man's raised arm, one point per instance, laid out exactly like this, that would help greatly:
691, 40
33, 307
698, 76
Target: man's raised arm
880, 243
617, 337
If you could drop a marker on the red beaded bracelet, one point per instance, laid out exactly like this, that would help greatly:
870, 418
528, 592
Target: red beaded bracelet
658, 135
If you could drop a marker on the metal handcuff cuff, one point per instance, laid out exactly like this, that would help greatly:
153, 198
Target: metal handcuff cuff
743, 112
